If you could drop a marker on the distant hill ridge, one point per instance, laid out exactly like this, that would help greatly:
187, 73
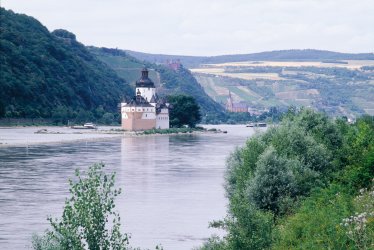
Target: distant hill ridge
279, 55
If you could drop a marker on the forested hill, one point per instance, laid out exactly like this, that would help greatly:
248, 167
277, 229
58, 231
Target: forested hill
50, 74
167, 81
280, 55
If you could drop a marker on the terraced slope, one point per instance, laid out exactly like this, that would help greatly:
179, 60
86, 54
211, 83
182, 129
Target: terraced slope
337, 87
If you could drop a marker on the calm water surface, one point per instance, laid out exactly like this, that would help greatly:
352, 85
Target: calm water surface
172, 185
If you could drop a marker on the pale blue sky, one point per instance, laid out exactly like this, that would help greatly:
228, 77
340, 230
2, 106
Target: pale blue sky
210, 27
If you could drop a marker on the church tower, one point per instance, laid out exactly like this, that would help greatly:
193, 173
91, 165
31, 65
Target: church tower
145, 86
229, 104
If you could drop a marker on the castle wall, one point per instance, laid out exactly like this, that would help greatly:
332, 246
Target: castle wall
133, 121
162, 120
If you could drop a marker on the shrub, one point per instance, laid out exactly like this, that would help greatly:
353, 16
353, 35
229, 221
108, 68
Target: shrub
84, 222
273, 181
249, 228
108, 118
360, 226
293, 186
232, 175
184, 111
315, 225
213, 243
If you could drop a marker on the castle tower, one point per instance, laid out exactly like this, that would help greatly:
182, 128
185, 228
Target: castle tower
145, 110
138, 114
145, 86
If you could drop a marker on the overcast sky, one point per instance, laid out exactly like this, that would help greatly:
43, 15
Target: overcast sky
210, 27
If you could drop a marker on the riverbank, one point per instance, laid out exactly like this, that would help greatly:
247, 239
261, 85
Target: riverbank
23, 136
175, 131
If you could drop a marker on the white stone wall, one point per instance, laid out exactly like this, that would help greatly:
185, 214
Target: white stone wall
147, 93
148, 112
162, 120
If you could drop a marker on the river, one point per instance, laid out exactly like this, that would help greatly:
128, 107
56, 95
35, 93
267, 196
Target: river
172, 185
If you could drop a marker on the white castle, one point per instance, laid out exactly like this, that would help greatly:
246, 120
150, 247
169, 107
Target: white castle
145, 110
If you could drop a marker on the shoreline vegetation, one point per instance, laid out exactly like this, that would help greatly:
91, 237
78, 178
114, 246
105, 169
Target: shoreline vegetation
183, 130
307, 183
25, 136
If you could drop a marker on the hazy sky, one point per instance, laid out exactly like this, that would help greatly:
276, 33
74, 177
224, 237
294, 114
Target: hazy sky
210, 27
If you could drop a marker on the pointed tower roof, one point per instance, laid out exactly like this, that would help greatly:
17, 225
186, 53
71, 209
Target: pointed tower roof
153, 99
144, 81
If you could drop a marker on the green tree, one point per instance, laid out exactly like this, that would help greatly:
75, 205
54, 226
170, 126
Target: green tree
99, 112
60, 115
84, 116
268, 178
250, 228
184, 111
2, 109
84, 222
273, 181
108, 118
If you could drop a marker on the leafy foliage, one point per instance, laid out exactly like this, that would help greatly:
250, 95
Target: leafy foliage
315, 225
272, 181
248, 227
301, 180
84, 222
213, 243
184, 111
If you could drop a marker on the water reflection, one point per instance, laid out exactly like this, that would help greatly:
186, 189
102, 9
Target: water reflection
172, 185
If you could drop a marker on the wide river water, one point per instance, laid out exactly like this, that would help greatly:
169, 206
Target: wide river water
172, 185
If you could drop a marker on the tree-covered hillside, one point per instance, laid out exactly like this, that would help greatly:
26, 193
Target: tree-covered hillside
48, 75
167, 81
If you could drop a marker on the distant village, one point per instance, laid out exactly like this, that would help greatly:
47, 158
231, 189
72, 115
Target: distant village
230, 105
241, 107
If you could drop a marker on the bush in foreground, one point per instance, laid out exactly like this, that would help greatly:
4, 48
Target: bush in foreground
84, 222
296, 186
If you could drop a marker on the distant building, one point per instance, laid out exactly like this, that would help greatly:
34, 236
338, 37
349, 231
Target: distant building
238, 107
145, 110
257, 111
174, 64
